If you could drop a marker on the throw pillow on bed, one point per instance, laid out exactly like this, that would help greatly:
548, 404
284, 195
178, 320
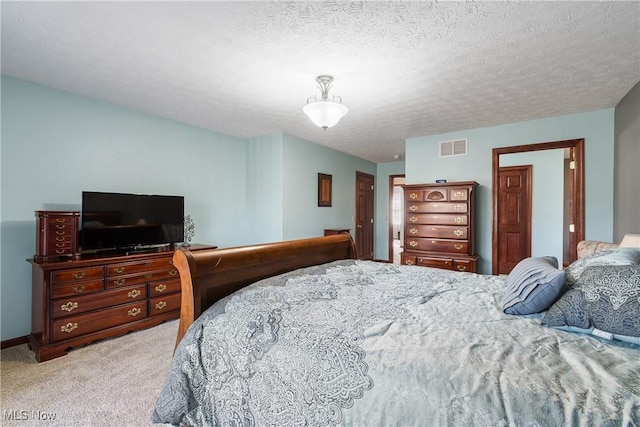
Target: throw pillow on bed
619, 256
533, 285
605, 302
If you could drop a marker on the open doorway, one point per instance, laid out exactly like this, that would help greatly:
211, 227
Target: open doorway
396, 217
570, 211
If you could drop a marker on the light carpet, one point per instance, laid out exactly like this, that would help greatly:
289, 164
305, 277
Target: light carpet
114, 382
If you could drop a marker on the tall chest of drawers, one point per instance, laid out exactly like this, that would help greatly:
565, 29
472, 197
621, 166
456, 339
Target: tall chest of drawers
439, 226
77, 301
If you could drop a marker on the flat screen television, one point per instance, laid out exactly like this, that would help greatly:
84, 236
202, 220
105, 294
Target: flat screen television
120, 221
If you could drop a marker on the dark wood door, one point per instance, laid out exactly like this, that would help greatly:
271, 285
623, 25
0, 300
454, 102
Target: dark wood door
514, 226
364, 215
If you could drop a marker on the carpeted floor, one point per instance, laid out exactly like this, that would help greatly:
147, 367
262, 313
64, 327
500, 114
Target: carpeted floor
113, 382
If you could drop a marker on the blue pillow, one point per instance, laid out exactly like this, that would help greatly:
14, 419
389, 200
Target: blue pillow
604, 302
533, 285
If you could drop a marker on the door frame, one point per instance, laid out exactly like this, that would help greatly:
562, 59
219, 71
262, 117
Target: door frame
390, 237
576, 147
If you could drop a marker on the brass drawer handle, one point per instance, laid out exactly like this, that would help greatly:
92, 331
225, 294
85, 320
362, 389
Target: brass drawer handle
70, 306
170, 262
119, 282
161, 287
60, 227
458, 232
408, 262
462, 268
60, 233
413, 231
120, 269
59, 245
68, 327
435, 242
458, 246
459, 208
458, 219
173, 273
435, 205
434, 229
413, 208
59, 219
413, 218
78, 289
413, 196
78, 275
413, 243
59, 239
160, 305
458, 194
134, 293
434, 216
134, 311
60, 251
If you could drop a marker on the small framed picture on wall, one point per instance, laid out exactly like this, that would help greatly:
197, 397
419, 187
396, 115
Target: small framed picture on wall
324, 189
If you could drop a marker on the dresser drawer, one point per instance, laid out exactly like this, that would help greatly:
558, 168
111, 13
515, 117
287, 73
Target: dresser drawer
163, 287
127, 268
442, 219
76, 275
442, 263
163, 304
407, 258
464, 265
76, 305
134, 279
73, 326
79, 288
437, 207
436, 245
439, 231
458, 194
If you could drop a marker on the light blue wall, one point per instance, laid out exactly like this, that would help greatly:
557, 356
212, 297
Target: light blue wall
597, 128
55, 145
547, 193
303, 160
265, 189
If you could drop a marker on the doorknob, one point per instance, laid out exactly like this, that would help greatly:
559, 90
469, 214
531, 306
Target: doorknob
359, 225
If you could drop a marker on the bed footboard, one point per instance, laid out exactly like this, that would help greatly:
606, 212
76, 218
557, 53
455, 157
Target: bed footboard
209, 275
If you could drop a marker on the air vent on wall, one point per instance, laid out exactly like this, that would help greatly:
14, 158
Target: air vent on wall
457, 147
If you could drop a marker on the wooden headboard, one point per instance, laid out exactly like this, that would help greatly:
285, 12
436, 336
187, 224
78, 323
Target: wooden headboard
209, 275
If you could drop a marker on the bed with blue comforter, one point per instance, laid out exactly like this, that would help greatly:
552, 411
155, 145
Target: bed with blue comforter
362, 343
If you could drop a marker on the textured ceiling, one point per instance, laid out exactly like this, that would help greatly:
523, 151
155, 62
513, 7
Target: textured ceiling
403, 69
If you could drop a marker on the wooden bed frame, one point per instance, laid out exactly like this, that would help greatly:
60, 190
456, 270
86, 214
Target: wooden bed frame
209, 275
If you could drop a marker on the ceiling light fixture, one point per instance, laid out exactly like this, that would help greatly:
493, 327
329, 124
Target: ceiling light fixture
325, 113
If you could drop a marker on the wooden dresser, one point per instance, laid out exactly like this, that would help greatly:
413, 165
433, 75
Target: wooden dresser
439, 226
77, 301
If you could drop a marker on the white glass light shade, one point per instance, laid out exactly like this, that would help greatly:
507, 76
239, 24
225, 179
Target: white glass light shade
325, 113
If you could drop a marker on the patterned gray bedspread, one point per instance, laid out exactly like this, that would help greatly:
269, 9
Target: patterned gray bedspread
362, 343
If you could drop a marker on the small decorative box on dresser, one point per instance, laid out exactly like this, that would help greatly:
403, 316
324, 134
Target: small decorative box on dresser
57, 234
77, 301
439, 226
